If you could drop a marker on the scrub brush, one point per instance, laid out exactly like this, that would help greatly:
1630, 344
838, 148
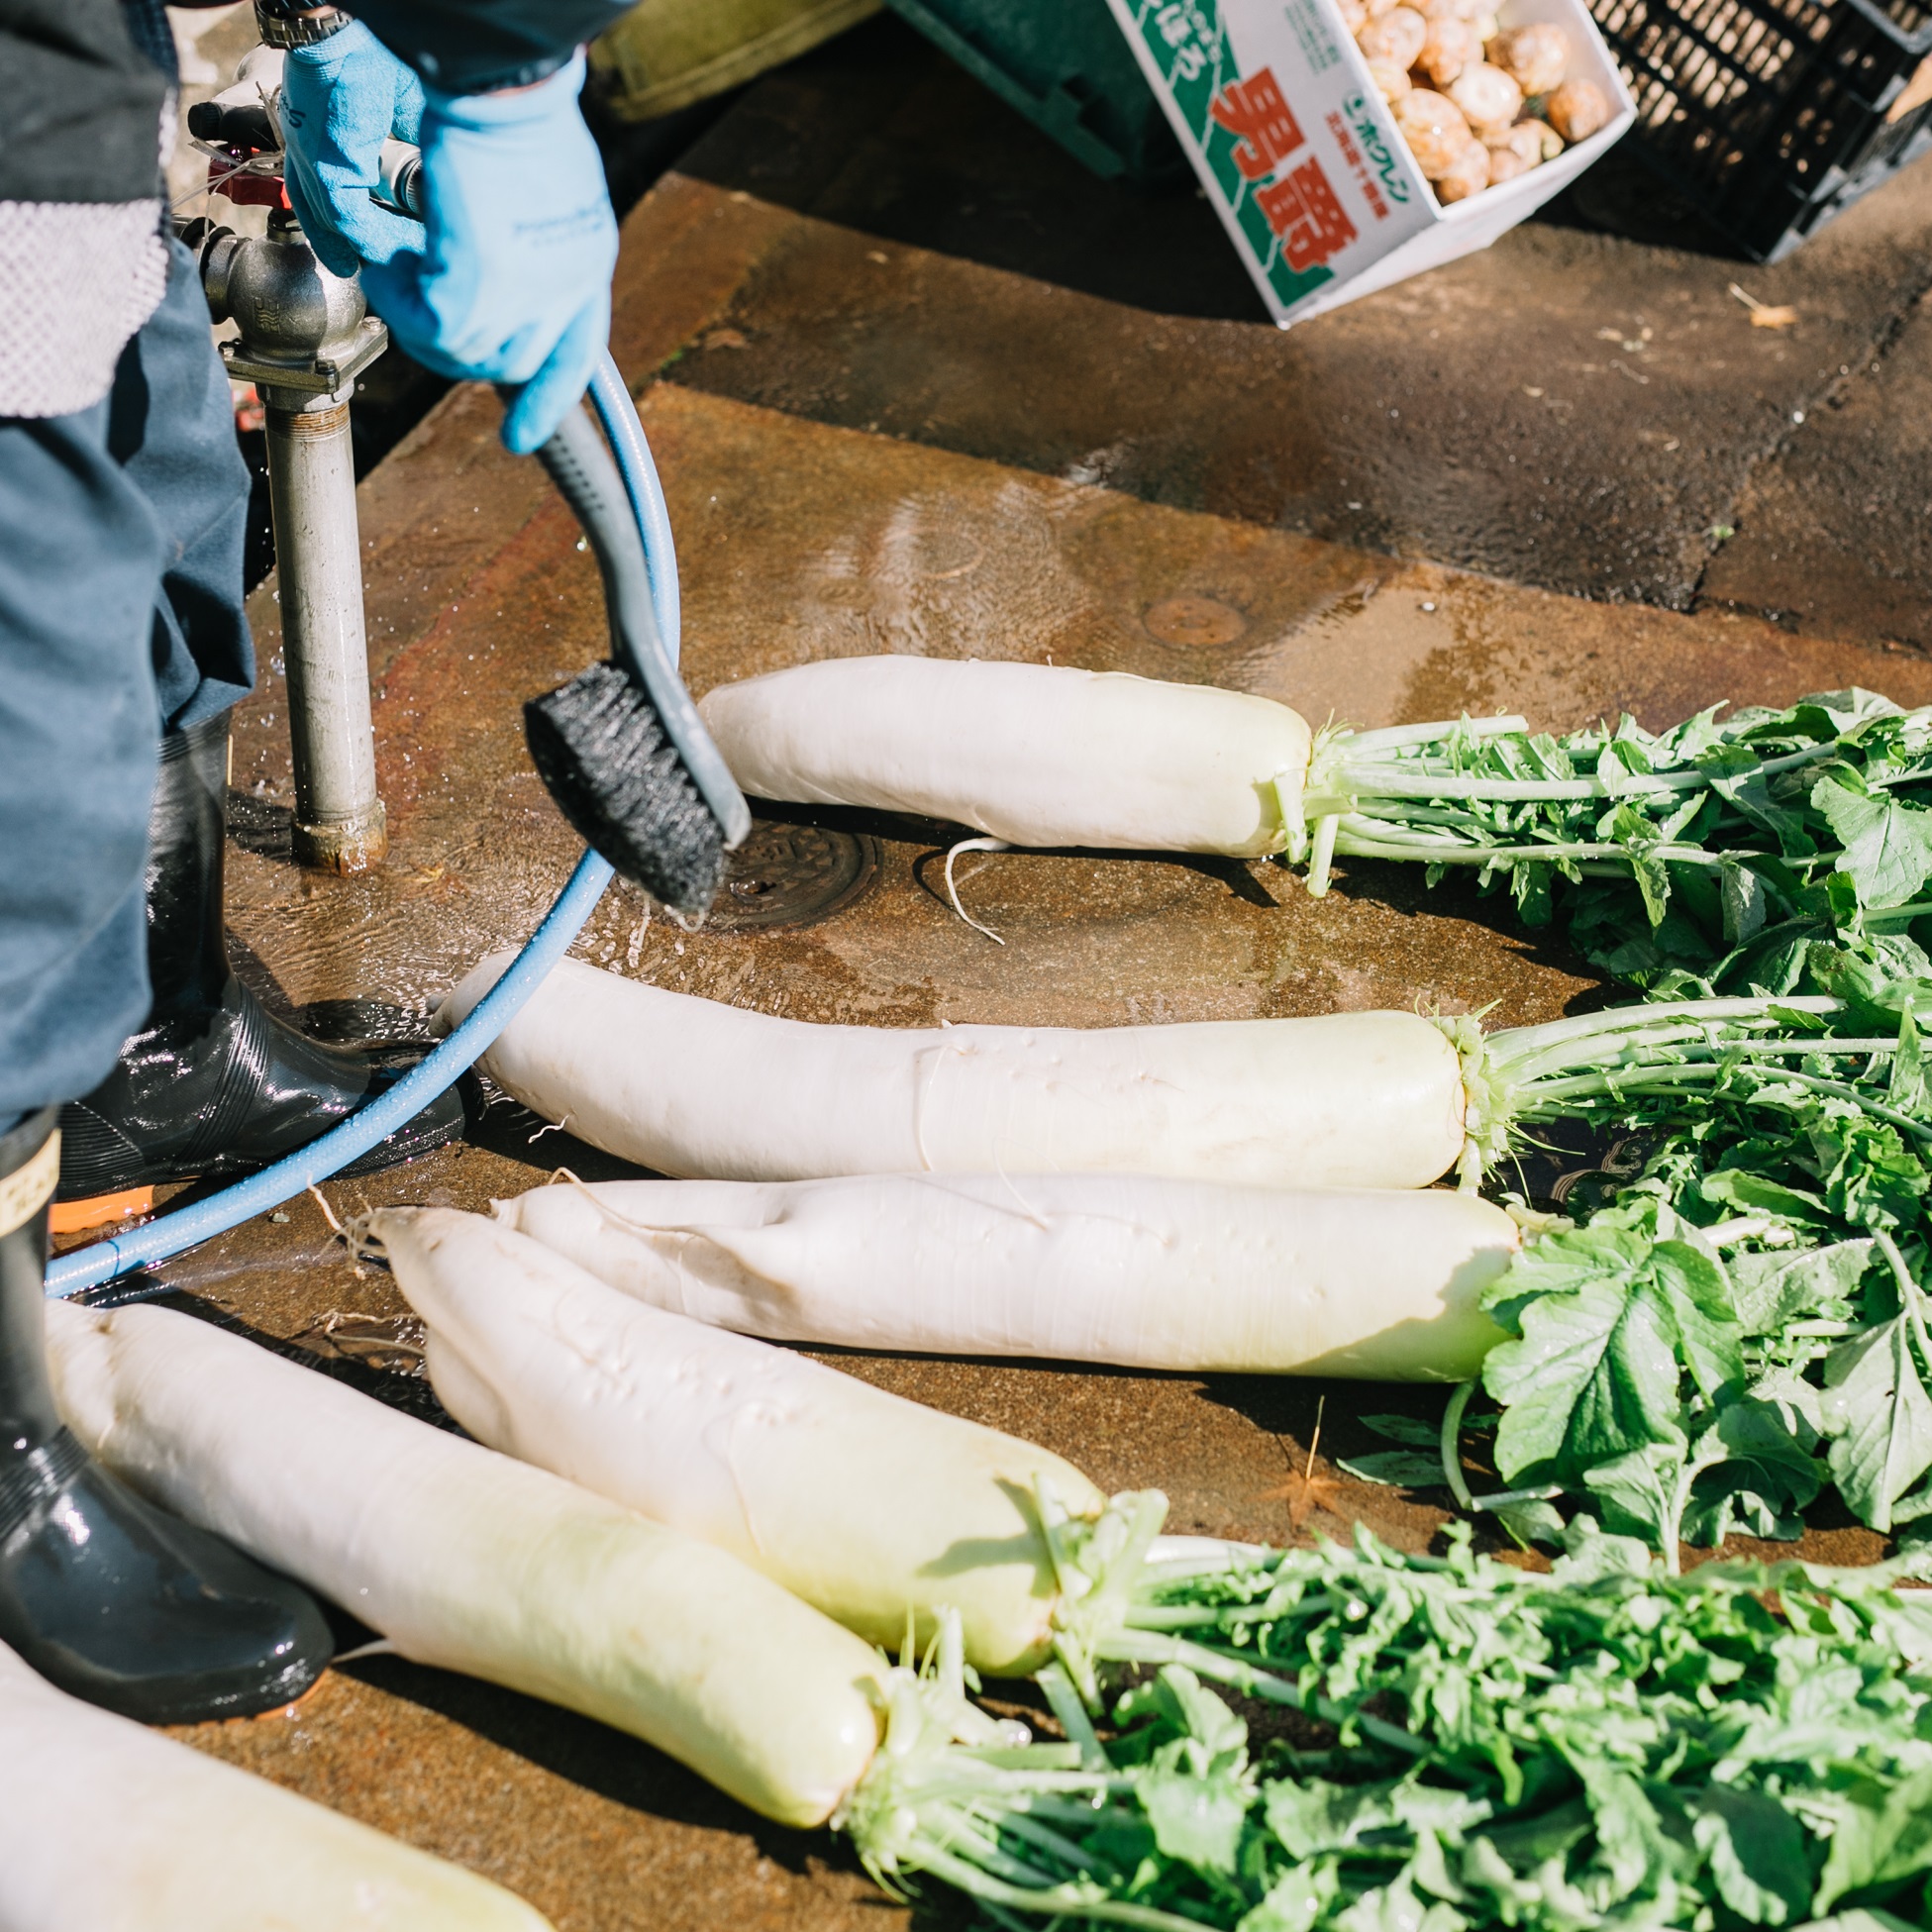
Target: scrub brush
621, 748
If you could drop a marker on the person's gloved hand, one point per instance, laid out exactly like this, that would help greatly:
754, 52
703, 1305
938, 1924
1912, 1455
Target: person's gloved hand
340, 99
510, 282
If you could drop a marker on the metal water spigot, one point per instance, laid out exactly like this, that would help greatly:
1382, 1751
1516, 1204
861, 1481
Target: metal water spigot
305, 335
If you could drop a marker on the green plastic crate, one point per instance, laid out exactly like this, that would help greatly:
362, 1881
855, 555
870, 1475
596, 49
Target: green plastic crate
1066, 66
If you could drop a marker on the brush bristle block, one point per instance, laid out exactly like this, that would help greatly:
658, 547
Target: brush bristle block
601, 750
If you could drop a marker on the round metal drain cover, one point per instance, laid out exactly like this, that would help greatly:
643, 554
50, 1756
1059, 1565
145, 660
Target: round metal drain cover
792, 876
1198, 623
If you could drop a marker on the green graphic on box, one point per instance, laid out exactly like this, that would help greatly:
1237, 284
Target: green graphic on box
1187, 43
1282, 140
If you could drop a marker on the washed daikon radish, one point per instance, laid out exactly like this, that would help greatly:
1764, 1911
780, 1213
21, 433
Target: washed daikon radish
1081, 1268
468, 1560
1036, 755
695, 1088
870, 1508
107, 1826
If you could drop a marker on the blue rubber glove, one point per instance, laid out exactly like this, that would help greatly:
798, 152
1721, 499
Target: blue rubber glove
511, 280
342, 98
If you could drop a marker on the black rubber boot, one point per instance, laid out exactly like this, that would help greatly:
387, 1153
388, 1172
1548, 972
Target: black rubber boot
214, 1084
104, 1594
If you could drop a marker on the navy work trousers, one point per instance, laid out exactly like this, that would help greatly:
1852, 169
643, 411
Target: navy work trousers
121, 537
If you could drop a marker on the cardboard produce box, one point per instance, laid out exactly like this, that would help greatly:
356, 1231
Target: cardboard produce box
1300, 155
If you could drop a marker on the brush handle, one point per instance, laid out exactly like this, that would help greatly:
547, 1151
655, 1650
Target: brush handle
580, 467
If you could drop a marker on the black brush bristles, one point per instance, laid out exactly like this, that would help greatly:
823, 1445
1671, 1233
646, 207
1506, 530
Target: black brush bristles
604, 757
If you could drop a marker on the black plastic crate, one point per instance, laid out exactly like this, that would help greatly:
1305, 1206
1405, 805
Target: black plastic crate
1772, 115
1068, 68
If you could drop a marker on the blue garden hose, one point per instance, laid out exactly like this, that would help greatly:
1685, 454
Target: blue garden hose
103, 1261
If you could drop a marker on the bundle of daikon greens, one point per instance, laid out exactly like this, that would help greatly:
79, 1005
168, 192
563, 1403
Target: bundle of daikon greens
1738, 1322
1704, 858
1455, 1746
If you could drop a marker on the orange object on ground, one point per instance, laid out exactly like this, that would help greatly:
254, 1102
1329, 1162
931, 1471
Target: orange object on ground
76, 1217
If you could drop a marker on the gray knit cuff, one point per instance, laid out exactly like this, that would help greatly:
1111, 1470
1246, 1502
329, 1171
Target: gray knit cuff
77, 281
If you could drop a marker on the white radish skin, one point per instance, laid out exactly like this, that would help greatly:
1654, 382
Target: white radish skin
1037, 755
863, 1505
695, 1088
1077, 1268
467, 1560
106, 1826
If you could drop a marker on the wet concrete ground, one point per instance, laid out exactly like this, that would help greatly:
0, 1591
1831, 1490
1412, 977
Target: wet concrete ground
915, 385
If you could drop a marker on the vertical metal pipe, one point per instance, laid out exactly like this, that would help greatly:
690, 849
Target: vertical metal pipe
339, 818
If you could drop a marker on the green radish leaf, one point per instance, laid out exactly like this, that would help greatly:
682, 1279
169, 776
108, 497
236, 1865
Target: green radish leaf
1295, 1902
1750, 1193
1744, 786
1872, 1179
1842, 901
1888, 843
1773, 963
1396, 1469
1632, 1847
1758, 1854
1532, 1522
1875, 980
1859, 1921
1639, 1492
1396, 1909
1629, 828
1746, 903
1604, 1315
1880, 1846
1312, 1817
1609, 1249
1913, 1508
1198, 1820
1410, 1429
1790, 1020
1691, 1285
1594, 1375
1878, 1417
1529, 885
1788, 1284
1767, 1475
1907, 1088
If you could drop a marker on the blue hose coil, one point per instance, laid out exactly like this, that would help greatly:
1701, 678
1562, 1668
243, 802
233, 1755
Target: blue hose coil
441, 1069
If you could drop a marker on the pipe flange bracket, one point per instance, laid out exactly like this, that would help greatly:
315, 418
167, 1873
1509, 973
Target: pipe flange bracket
331, 374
